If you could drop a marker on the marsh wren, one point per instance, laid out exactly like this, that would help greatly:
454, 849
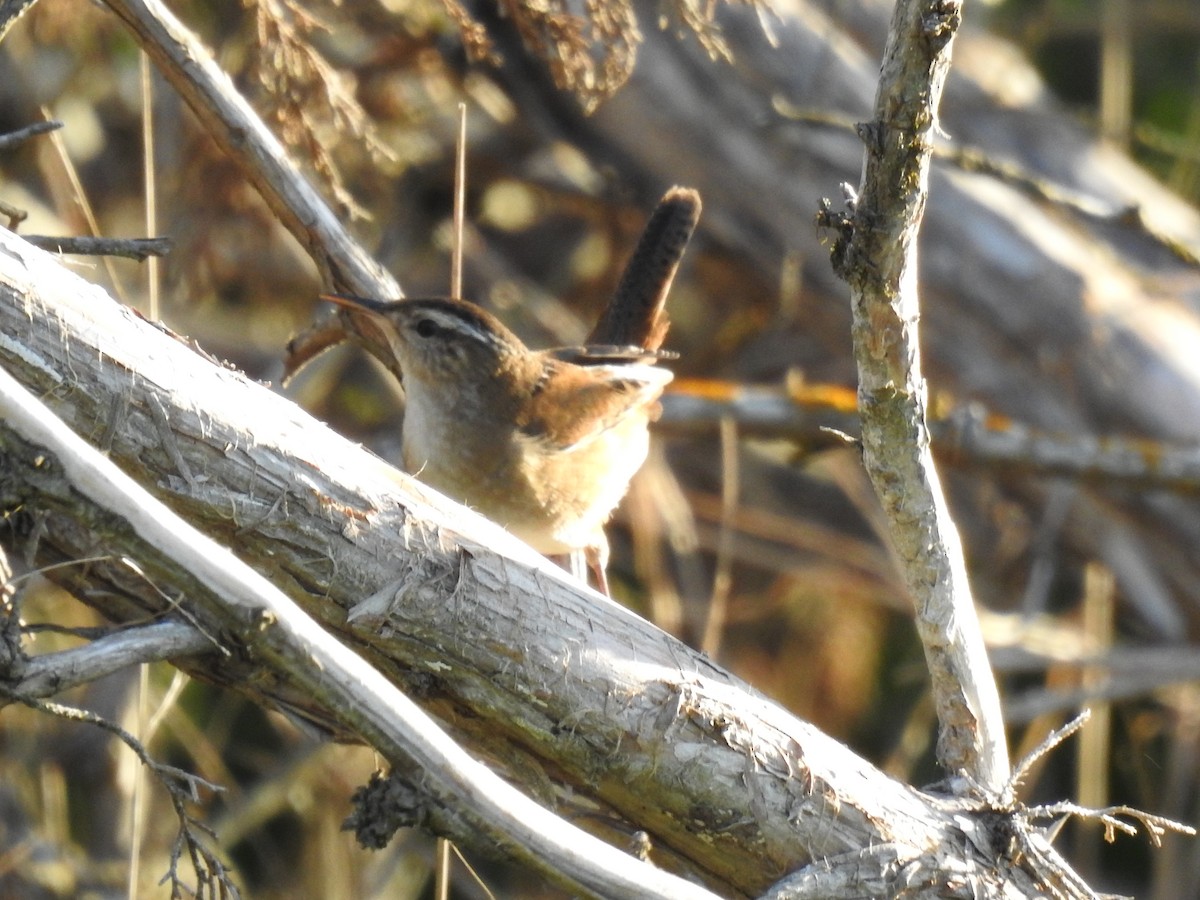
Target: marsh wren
541, 442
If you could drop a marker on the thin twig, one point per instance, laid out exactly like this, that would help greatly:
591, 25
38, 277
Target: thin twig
11, 139
174, 779
85, 205
460, 200
718, 606
441, 869
1052, 740
137, 798
51, 673
150, 179
444, 845
139, 249
475, 875
182, 787
1156, 826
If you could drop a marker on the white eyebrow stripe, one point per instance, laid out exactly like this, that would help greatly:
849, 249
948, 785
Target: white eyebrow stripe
448, 321
456, 324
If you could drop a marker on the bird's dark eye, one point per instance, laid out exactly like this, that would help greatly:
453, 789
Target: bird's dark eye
427, 328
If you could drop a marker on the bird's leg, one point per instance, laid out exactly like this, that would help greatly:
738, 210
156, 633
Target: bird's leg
597, 560
592, 559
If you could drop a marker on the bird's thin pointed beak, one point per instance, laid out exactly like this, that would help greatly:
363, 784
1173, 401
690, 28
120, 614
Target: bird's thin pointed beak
353, 301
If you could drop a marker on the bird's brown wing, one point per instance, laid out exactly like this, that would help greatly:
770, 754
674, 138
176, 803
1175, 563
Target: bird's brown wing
583, 402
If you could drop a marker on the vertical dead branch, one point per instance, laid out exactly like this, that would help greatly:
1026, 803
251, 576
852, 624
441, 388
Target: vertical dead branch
878, 258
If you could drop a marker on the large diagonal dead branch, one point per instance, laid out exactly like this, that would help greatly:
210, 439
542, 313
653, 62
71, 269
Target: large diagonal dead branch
460, 797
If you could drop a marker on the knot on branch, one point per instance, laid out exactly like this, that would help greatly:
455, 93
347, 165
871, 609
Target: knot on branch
384, 805
941, 22
841, 225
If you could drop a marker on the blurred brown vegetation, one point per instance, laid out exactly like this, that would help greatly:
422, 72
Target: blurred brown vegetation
1063, 320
